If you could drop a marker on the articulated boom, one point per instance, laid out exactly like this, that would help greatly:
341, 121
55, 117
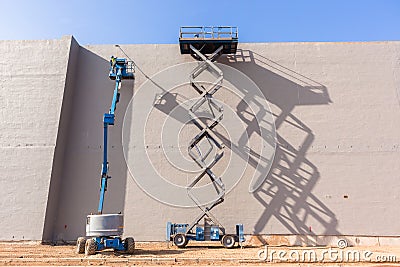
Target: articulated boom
105, 230
120, 69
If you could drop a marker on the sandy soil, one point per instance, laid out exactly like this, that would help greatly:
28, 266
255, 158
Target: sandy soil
198, 254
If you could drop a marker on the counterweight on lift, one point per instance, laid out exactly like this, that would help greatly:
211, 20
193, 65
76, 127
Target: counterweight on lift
199, 41
105, 230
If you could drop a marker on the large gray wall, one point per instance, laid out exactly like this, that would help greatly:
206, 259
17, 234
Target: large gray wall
336, 170
33, 77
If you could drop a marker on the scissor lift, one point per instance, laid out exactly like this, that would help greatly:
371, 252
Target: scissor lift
206, 44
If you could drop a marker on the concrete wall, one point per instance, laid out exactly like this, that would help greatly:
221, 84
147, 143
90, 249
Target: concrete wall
62, 141
336, 169
32, 81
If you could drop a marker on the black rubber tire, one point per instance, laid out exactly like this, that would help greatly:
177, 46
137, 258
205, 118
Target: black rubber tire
80, 245
228, 241
180, 240
90, 247
129, 245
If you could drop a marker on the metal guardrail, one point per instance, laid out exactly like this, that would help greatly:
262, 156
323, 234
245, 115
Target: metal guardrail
209, 32
130, 66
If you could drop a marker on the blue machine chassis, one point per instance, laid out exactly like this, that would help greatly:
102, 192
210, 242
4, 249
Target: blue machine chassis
109, 242
216, 233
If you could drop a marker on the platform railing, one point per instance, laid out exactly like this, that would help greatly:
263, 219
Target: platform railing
130, 66
209, 32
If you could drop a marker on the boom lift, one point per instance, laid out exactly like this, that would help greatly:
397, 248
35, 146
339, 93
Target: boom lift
199, 41
105, 230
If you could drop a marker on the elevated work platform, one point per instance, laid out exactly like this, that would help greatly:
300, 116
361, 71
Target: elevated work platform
126, 68
208, 39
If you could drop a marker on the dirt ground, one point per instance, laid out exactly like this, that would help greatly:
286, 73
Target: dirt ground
198, 254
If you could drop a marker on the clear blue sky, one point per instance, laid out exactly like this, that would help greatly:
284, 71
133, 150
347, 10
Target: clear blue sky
152, 21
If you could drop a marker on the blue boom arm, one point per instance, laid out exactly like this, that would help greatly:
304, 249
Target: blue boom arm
120, 69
